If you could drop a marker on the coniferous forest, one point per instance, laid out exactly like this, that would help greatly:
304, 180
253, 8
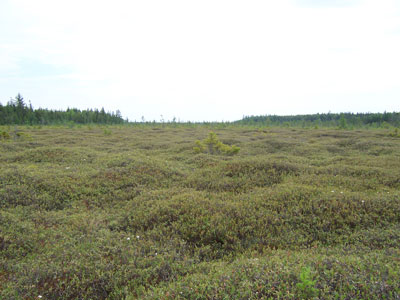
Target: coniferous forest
17, 111
326, 120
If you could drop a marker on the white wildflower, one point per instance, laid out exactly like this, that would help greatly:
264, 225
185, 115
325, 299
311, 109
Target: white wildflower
128, 238
138, 237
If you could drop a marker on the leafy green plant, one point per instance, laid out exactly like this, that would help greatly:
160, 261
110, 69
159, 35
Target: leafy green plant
306, 285
213, 145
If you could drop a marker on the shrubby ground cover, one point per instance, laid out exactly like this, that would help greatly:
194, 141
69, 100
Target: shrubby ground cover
134, 212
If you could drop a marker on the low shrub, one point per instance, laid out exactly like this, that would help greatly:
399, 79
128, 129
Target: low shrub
306, 285
213, 145
4, 135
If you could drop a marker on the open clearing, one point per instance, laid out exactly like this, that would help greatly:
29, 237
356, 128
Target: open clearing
132, 212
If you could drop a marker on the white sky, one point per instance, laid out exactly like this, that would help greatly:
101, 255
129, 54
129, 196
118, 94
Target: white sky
202, 60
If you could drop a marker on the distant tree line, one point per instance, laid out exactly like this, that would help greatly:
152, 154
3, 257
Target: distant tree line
343, 120
18, 112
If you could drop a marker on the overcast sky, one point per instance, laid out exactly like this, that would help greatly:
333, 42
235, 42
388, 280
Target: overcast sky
202, 60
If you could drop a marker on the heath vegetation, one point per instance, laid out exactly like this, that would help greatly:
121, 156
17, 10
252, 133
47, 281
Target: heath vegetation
146, 212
